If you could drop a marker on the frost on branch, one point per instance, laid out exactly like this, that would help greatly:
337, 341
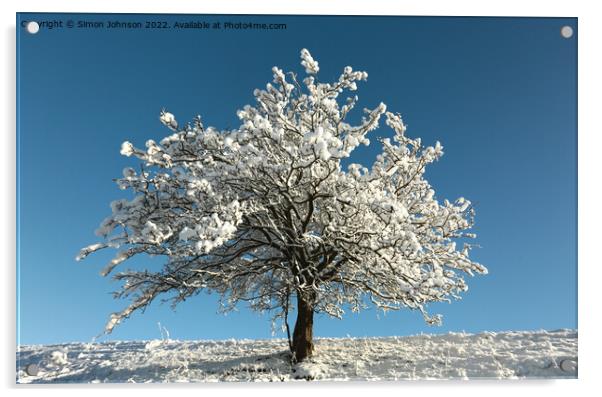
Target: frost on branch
265, 212
168, 120
311, 66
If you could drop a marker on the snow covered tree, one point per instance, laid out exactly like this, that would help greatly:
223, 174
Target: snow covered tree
266, 214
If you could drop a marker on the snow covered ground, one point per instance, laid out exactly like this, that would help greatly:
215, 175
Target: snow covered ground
503, 355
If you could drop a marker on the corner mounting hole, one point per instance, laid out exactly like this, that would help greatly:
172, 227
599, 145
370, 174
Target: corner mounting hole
566, 32
32, 27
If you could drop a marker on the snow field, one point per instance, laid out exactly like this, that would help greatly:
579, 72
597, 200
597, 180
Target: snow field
503, 355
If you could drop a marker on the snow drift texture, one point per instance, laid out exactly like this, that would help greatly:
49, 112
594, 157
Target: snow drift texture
450, 356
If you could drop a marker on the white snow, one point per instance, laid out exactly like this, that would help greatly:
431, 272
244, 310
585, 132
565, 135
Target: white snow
168, 120
127, 149
254, 191
503, 355
59, 357
310, 64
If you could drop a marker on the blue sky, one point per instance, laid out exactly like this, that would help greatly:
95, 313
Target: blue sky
499, 93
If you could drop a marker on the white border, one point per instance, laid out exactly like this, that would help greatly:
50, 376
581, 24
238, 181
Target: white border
589, 33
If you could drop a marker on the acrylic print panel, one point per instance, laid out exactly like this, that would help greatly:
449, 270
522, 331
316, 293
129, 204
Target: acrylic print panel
291, 198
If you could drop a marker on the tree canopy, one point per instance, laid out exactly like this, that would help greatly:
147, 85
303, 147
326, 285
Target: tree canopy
265, 211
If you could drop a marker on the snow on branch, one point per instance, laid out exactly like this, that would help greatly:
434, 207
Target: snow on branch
265, 211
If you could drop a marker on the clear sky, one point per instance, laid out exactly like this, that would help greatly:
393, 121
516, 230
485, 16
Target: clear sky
499, 93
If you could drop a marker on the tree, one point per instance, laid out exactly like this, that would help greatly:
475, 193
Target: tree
266, 214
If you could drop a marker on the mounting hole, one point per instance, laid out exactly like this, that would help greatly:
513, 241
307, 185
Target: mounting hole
32, 369
566, 32
32, 27
568, 365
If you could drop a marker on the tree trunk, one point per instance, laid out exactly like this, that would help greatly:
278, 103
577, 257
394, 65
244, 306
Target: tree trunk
303, 345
